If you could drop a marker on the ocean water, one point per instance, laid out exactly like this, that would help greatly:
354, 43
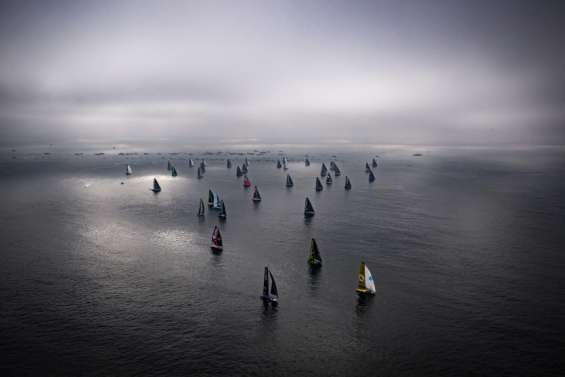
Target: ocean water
466, 246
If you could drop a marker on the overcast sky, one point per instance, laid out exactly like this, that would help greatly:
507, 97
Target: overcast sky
421, 71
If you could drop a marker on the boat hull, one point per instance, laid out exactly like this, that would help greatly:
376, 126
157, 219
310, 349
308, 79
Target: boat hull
308, 214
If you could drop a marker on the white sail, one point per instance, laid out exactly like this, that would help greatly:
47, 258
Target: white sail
369, 282
128, 170
216, 200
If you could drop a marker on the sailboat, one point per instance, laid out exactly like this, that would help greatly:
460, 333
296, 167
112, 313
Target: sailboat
284, 165
169, 165
190, 163
374, 163
256, 195
199, 173
210, 198
217, 244
308, 209
203, 166
271, 296
289, 182
314, 260
319, 186
367, 167
306, 161
366, 284
156, 188
128, 170
371, 176
332, 165
222, 215
347, 183
201, 208
279, 165
329, 179
228, 163
244, 168
337, 172
174, 172
246, 162
246, 182
324, 170
238, 172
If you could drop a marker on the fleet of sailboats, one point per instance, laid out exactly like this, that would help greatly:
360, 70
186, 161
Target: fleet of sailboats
269, 296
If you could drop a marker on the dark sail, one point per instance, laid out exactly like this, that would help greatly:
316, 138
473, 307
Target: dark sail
371, 176
375, 163
315, 258
274, 290
210, 198
223, 213
279, 165
169, 166
201, 208
347, 183
256, 195
319, 186
244, 168
229, 164
329, 179
190, 163
238, 172
202, 166
174, 172
266, 283
332, 165
367, 168
308, 209
156, 187
199, 173
306, 161
324, 170
289, 182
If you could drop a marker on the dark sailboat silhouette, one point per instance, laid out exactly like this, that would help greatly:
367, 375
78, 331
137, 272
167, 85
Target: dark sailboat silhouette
217, 243
347, 183
371, 176
374, 163
190, 163
308, 208
279, 165
238, 171
156, 188
201, 208
324, 170
222, 215
169, 165
199, 173
174, 172
289, 182
319, 186
256, 195
367, 167
244, 168
228, 164
306, 161
314, 260
128, 170
329, 179
272, 295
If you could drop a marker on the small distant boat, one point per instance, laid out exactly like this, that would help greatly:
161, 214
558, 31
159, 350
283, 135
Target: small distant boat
174, 172
222, 215
199, 173
289, 182
156, 188
314, 260
417, 155
337, 172
324, 170
371, 176
308, 208
256, 195
228, 163
203, 166
366, 284
201, 209
374, 163
306, 161
319, 186
332, 165
279, 165
367, 167
128, 170
210, 198
244, 168
271, 296
347, 183
190, 163
246, 182
238, 171
285, 167
217, 244
169, 165
329, 179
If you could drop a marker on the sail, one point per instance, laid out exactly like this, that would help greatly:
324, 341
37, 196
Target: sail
361, 288
319, 186
156, 186
289, 182
174, 172
244, 169
256, 195
201, 208
210, 197
190, 163
217, 238
274, 290
279, 165
228, 163
169, 166
223, 213
216, 203
246, 162
128, 170
324, 170
238, 171
199, 173
369, 282
306, 161
329, 179
374, 163
371, 176
337, 172
347, 183
367, 168
202, 166
315, 258
266, 283
308, 208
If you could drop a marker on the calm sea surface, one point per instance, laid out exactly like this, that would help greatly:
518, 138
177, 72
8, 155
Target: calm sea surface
467, 248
